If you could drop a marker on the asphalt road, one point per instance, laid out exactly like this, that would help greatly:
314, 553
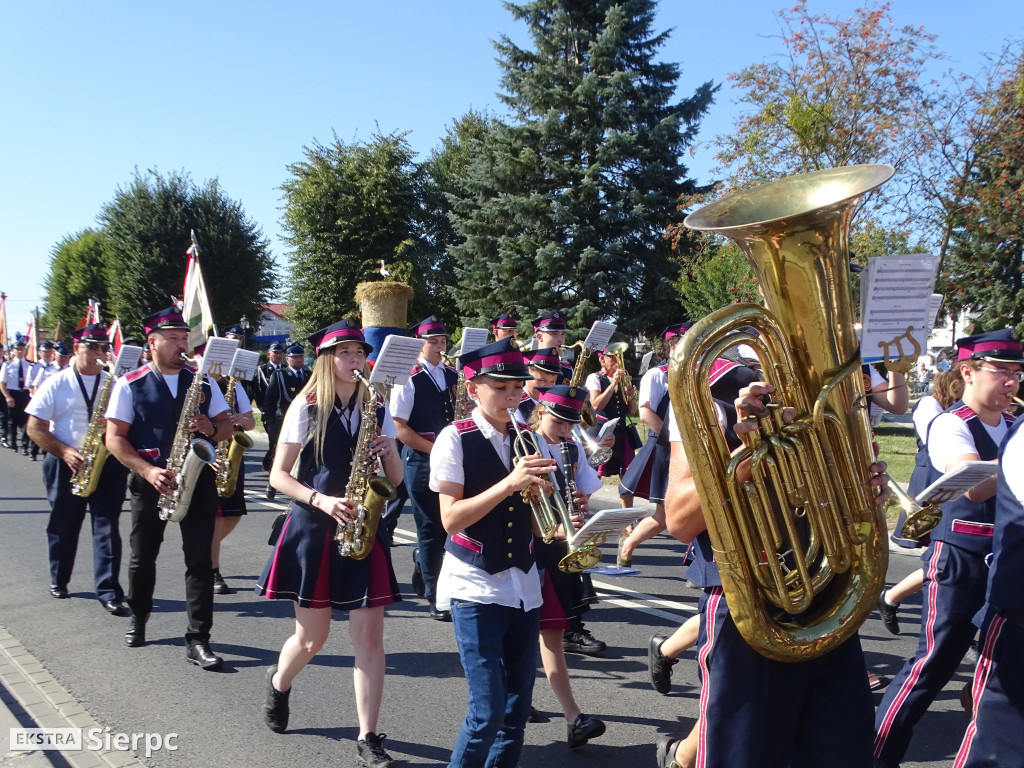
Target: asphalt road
217, 715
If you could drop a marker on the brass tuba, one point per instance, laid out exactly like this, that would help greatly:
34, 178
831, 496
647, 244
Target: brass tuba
801, 548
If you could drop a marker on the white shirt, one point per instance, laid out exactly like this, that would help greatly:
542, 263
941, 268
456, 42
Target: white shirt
403, 398
593, 382
950, 437
927, 409
587, 480
43, 371
9, 374
653, 388
674, 435
60, 401
121, 405
295, 427
460, 580
1013, 456
242, 402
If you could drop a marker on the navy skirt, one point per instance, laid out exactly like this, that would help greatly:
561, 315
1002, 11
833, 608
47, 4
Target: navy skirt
307, 568
647, 476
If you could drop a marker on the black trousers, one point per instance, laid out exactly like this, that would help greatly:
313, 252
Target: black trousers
271, 423
196, 539
17, 419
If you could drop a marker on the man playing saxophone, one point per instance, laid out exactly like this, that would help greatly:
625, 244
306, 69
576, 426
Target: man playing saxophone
64, 417
142, 425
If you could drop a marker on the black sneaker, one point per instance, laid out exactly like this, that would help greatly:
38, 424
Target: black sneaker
660, 666
584, 728
888, 614
371, 751
220, 587
418, 585
275, 709
583, 642
271, 492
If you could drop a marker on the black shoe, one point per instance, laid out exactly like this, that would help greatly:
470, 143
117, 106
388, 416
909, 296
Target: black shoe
24, 451
371, 751
418, 585
660, 666
135, 637
61, 593
220, 587
583, 642
275, 708
666, 754
271, 492
888, 614
536, 716
199, 653
583, 729
438, 615
115, 608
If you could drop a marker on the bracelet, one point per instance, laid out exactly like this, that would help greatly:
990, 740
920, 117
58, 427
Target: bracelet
312, 498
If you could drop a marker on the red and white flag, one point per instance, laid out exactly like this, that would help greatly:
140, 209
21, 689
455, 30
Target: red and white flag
3, 320
115, 336
195, 301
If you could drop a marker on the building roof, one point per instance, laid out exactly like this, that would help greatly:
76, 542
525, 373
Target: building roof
277, 309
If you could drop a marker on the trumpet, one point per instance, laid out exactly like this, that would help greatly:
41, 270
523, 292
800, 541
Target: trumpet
619, 350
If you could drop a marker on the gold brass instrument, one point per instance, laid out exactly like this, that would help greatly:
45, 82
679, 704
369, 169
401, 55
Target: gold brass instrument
549, 510
230, 451
463, 404
355, 539
801, 547
94, 450
1018, 402
588, 415
920, 520
619, 350
597, 454
188, 457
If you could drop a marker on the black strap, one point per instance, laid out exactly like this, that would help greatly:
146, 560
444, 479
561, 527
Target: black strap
89, 400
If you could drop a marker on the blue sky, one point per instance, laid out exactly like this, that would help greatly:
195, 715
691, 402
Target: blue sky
231, 89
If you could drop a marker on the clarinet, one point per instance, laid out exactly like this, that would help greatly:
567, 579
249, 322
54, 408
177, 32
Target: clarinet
569, 473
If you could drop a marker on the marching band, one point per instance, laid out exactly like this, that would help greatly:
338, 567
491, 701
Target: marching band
488, 559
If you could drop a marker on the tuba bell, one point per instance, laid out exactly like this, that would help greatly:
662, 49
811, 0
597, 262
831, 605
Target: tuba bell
801, 547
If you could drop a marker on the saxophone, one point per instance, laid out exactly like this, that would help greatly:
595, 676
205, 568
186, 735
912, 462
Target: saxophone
188, 457
355, 540
229, 452
588, 415
94, 450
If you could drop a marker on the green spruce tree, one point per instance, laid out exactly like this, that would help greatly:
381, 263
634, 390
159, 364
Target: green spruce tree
567, 206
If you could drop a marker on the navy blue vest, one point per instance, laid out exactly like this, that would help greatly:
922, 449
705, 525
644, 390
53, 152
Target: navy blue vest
526, 406
968, 524
503, 538
432, 409
1007, 574
330, 477
922, 462
156, 413
616, 406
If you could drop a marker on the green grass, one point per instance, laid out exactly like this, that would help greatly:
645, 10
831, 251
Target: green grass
897, 447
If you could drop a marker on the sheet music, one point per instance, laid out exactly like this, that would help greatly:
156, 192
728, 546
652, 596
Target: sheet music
610, 521
599, 336
645, 363
933, 310
218, 355
606, 429
472, 338
897, 298
127, 359
396, 360
957, 482
244, 364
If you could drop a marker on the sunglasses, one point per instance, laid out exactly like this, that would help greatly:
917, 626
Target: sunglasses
97, 345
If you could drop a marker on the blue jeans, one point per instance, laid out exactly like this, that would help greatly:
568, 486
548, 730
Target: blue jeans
498, 649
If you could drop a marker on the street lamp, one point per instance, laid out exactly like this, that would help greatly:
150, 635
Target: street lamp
244, 322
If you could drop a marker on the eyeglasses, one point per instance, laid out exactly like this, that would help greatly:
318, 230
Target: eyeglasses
1004, 373
94, 345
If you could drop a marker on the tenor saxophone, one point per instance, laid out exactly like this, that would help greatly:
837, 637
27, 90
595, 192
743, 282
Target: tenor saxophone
355, 539
94, 451
188, 457
230, 451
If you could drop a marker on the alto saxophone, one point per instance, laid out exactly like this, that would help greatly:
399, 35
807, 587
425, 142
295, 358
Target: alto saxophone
230, 451
94, 450
188, 457
355, 539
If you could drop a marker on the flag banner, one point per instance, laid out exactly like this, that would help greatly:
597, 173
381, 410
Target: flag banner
30, 341
56, 332
115, 336
86, 319
195, 302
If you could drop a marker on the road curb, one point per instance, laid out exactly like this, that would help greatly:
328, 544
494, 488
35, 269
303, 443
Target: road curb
30, 697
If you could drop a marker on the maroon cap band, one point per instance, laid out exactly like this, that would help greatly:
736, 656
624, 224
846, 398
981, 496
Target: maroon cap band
568, 402
492, 361
965, 352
